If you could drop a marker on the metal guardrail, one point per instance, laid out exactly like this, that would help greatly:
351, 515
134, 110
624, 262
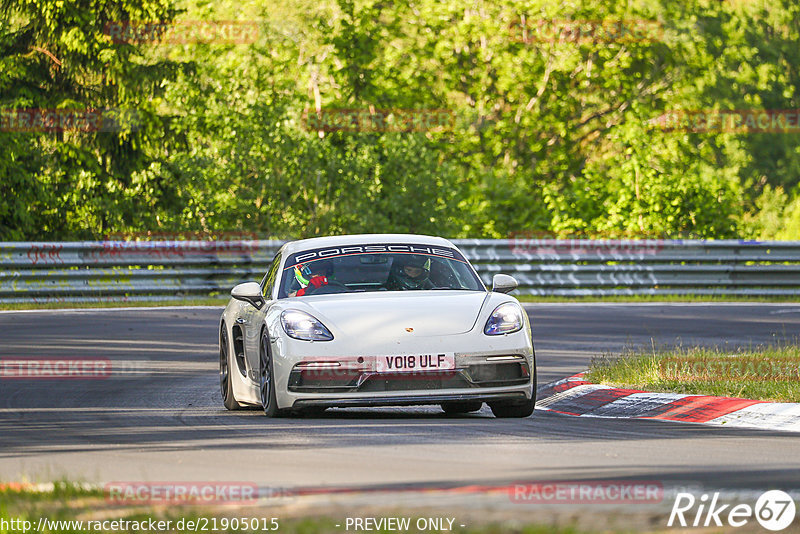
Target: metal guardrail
120, 271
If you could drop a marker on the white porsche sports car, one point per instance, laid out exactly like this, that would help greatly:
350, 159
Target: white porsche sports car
376, 320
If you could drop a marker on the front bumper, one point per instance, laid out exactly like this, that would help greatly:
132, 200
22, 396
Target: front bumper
475, 379
328, 374
505, 370
407, 400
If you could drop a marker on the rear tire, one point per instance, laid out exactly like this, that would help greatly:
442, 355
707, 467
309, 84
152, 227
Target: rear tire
225, 385
503, 410
453, 408
316, 411
266, 379
517, 408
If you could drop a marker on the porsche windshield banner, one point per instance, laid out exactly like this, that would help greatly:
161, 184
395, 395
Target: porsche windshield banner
387, 248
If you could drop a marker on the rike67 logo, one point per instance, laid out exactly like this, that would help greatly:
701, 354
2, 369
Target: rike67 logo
774, 510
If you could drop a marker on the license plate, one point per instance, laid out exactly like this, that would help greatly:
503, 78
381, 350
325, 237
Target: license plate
417, 362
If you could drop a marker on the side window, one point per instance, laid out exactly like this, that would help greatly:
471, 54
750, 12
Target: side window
269, 280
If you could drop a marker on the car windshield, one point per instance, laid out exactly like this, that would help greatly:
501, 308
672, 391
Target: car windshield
378, 267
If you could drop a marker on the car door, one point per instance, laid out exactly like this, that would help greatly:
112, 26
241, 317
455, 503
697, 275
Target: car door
254, 319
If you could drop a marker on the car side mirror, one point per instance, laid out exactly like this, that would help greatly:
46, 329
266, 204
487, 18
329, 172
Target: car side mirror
249, 292
502, 283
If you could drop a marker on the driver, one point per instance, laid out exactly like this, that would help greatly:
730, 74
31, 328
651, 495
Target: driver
410, 272
314, 274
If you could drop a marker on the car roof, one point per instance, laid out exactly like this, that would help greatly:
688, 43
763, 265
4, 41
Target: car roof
363, 239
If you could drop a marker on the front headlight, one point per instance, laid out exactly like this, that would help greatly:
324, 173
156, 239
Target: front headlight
301, 325
505, 319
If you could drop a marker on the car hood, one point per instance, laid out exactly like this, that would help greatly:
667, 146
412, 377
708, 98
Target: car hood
428, 313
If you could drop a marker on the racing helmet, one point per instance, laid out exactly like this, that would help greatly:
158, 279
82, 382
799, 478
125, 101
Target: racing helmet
304, 272
403, 279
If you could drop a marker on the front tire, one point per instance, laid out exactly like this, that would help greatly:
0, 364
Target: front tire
225, 385
517, 408
266, 381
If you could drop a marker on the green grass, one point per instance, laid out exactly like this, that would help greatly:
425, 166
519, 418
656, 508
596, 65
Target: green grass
768, 373
70, 502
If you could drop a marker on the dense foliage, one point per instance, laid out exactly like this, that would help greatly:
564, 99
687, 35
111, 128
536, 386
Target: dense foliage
553, 130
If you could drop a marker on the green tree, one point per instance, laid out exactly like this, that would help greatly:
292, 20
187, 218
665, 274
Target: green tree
55, 55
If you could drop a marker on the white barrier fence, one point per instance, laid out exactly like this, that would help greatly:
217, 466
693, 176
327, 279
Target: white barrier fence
172, 270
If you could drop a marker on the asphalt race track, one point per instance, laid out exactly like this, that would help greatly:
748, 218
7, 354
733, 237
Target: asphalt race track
160, 417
